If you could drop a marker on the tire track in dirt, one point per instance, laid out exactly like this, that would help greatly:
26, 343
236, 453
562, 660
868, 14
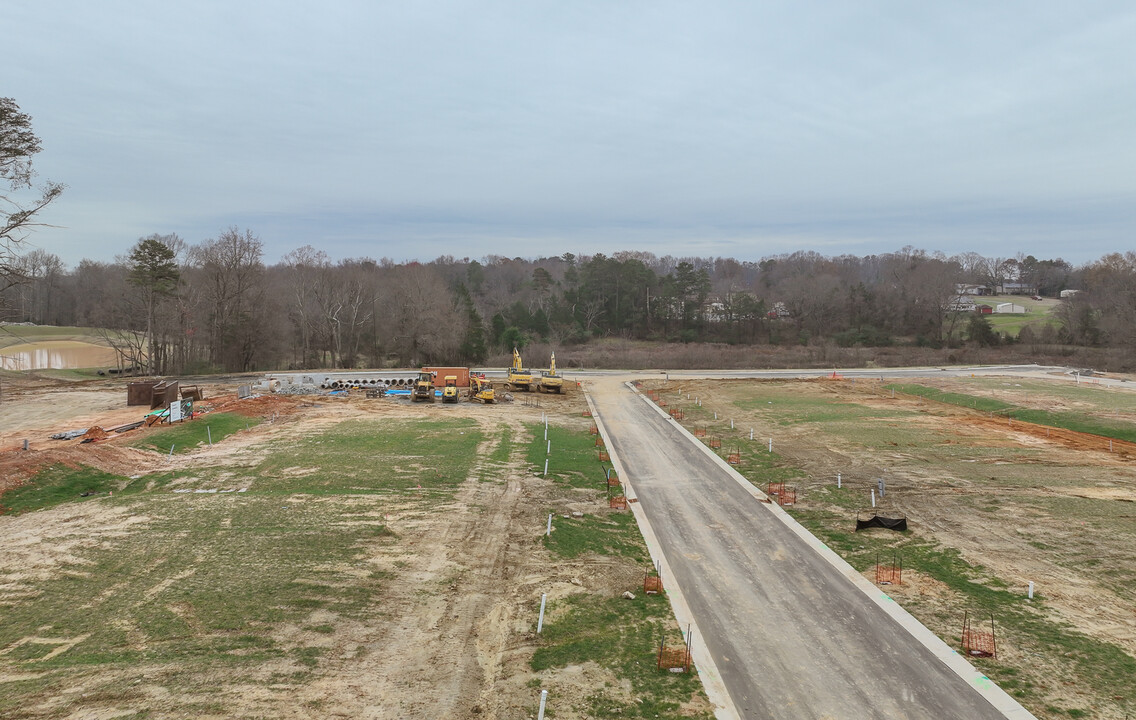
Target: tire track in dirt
449, 609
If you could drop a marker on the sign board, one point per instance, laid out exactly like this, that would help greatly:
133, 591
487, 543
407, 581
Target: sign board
175, 411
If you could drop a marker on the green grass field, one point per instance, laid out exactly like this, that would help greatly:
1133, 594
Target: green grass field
202, 584
202, 587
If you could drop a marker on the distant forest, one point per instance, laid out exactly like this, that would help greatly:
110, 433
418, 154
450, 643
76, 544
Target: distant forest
173, 307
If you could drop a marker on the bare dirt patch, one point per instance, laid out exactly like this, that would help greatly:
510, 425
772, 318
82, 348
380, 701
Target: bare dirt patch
449, 634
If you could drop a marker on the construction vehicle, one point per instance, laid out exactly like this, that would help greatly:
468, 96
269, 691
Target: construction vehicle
423, 388
549, 380
519, 378
450, 389
481, 389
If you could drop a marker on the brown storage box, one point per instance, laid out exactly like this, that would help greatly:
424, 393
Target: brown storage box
462, 374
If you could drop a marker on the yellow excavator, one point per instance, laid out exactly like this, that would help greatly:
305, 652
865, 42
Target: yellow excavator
481, 389
549, 380
519, 378
450, 389
423, 387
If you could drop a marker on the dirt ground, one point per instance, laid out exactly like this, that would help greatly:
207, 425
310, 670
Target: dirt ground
462, 652
1003, 514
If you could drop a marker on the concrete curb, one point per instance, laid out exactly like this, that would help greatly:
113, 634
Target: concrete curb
993, 694
707, 671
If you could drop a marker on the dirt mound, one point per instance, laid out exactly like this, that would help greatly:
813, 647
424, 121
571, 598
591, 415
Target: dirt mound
259, 406
95, 433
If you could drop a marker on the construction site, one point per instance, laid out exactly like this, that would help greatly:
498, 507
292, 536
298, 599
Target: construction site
456, 521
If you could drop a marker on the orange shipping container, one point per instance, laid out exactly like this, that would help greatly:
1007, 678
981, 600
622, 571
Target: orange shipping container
440, 374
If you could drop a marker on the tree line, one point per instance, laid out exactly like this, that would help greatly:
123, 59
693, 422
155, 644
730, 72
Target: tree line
174, 307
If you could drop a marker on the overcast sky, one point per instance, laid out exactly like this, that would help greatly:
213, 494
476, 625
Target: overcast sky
411, 130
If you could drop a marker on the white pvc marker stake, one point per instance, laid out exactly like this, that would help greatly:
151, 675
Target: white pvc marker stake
770, 444
731, 423
209, 431
1031, 589
838, 481
171, 452
540, 622
543, 699
751, 433
546, 467
873, 497
715, 414
549, 450
548, 532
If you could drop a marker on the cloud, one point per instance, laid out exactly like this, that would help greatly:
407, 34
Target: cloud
378, 127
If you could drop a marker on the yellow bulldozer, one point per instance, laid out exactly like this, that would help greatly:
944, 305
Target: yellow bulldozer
481, 389
549, 380
519, 378
423, 387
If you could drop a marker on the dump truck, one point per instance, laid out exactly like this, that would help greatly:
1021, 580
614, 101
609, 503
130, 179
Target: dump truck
450, 389
549, 380
519, 378
423, 388
481, 389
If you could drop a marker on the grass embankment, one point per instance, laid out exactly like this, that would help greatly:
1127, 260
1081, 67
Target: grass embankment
1078, 422
190, 434
20, 334
59, 484
186, 589
619, 634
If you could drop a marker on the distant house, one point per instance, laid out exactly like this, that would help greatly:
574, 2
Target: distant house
961, 304
1068, 293
779, 311
1017, 288
965, 289
983, 309
1010, 308
714, 309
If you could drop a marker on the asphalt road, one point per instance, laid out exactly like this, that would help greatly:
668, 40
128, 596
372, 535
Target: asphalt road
792, 637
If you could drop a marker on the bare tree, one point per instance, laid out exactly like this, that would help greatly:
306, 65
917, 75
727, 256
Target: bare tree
233, 288
17, 218
304, 266
422, 322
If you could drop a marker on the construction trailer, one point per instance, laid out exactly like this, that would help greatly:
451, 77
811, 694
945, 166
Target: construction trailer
461, 373
423, 387
518, 378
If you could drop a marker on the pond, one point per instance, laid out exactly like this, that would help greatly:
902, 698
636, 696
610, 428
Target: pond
56, 355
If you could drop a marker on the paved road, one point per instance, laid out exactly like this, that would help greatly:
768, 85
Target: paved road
791, 636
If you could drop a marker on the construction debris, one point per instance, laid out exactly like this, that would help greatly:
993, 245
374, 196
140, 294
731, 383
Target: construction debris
69, 435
